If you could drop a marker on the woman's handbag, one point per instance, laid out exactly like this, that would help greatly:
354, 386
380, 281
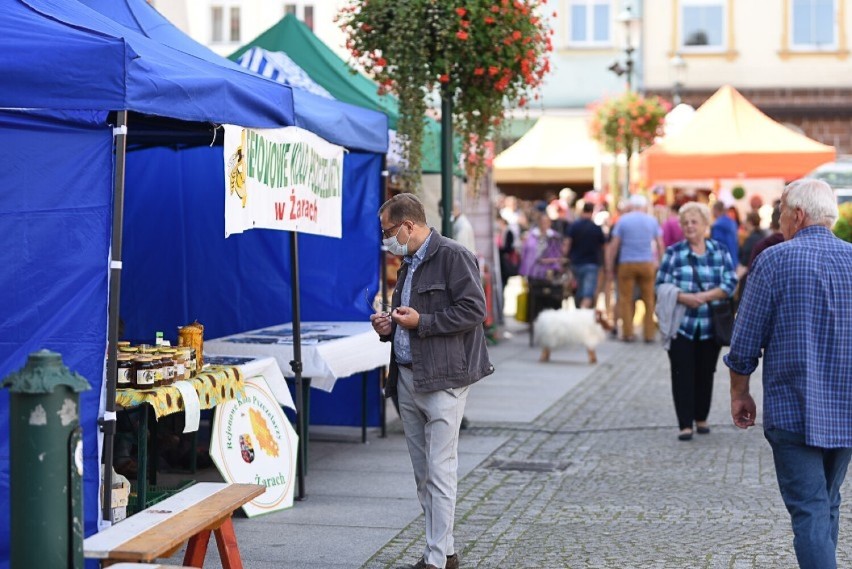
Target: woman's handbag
721, 313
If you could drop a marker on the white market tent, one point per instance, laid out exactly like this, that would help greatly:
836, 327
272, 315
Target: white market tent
557, 151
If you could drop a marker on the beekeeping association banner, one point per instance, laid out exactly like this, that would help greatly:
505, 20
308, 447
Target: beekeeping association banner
285, 178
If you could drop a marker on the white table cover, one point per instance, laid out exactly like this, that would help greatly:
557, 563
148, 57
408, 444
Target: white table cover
330, 350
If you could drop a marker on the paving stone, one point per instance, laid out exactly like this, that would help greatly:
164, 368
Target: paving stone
631, 495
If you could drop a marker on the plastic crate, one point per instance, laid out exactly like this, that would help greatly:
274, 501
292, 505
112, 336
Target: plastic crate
155, 495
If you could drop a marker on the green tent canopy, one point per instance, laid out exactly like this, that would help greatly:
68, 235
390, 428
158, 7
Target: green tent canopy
292, 37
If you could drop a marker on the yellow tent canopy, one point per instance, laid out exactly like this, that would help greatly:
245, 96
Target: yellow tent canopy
556, 150
728, 137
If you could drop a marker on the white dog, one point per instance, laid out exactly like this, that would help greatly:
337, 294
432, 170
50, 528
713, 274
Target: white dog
556, 328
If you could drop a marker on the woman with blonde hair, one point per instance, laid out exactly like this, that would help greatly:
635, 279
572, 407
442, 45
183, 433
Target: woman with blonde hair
701, 272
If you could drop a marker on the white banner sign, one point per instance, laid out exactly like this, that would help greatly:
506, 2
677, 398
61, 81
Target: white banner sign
286, 178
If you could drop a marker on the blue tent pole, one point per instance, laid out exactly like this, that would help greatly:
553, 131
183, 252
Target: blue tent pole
107, 423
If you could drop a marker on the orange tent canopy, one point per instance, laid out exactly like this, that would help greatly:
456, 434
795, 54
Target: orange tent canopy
728, 137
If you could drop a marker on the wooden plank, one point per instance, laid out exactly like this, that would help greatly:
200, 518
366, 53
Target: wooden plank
156, 530
209, 514
100, 544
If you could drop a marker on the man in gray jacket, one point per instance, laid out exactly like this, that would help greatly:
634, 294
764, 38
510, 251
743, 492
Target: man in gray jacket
435, 324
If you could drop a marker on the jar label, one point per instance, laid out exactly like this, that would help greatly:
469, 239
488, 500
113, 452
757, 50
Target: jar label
124, 376
145, 377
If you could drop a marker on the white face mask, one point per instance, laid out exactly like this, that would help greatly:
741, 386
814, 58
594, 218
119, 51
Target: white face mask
394, 246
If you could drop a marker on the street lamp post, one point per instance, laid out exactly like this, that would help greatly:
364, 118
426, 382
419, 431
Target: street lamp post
631, 24
678, 65
630, 21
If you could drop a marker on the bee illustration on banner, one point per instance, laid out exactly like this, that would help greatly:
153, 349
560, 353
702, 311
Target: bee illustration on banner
237, 171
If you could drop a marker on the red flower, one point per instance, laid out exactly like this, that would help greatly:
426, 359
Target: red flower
493, 70
516, 35
495, 9
462, 35
444, 78
461, 12
479, 71
489, 20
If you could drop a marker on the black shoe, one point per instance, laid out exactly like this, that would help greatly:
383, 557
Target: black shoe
702, 430
452, 563
685, 436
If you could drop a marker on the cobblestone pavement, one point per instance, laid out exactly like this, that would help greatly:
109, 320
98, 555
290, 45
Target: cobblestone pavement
600, 481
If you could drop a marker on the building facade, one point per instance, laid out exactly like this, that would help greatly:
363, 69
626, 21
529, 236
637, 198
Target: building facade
788, 57
226, 25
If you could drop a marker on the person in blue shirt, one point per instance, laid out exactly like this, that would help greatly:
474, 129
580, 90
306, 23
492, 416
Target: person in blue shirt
637, 241
724, 230
797, 312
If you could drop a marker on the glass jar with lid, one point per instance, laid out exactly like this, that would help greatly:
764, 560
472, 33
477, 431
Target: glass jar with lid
124, 375
167, 357
145, 374
181, 363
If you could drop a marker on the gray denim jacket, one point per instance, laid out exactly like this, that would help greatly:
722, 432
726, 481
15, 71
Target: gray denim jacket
448, 348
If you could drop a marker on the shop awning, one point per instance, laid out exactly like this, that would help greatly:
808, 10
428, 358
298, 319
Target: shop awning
728, 137
556, 150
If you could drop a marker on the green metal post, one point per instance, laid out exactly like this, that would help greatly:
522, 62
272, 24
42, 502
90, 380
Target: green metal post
46, 456
446, 162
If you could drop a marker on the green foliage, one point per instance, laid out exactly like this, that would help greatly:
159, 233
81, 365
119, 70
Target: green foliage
738, 192
628, 123
843, 226
484, 54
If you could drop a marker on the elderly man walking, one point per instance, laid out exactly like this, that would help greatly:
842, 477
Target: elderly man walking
438, 351
797, 310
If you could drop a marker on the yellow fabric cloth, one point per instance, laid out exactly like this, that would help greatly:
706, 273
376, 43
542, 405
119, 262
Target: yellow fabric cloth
214, 386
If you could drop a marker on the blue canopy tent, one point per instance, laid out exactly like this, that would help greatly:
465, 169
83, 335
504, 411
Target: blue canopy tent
72, 66
264, 300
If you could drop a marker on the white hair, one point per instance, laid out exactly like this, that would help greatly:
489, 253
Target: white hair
815, 198
694, 207
638, 201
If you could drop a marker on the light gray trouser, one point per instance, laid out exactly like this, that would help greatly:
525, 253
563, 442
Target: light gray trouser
431, 423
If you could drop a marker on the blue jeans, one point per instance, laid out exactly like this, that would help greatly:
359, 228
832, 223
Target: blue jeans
810, 479
587, 280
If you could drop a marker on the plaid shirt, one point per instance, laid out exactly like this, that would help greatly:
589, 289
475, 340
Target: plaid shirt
797, 308
714, 268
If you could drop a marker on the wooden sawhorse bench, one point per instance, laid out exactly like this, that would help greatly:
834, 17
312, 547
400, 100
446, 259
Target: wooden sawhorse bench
189, 516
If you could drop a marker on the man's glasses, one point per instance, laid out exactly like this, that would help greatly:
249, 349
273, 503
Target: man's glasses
375, 303
386, 233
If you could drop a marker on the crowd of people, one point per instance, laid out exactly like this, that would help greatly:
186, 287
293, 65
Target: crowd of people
796, 314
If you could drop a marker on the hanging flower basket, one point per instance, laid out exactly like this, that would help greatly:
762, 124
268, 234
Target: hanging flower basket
628, 123
485, 55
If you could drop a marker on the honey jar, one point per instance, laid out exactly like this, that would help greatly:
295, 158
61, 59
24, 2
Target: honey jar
167, 357
181, 358
124, 379
145, 373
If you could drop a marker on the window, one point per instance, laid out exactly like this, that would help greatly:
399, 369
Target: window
217, 20
589, 22
813, 24
289, 9
702, 24
234, 28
